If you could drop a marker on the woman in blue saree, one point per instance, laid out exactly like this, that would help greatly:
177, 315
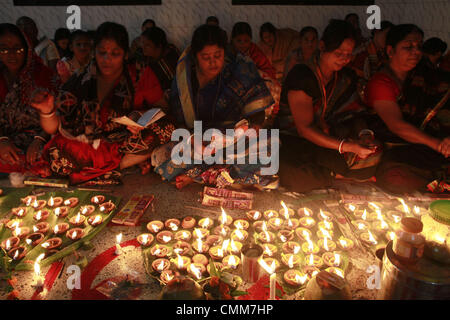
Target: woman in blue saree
220, 91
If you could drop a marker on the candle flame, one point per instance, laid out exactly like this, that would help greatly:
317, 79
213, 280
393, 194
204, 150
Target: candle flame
416, 210
56, 229
361, 226
277, 222
18, 231
374, 205
310, 245
220, 252
119, 238
267, 236
74, 234
67, 202
57, 211
35, 204
21, 212
199, 244
309, 221
157, 251
339, 273
267, 250
343, 243
307, 212
28, 241
325, 233
391, 235
145, 238
239, 225
28, 201
325, 243
169, 277
439, 239
305, 234
233, 246
397, 219
264, 226
15, 224
46, 245
384, 225
223, 231
285, 210
97, 219
232, 261
198, 233
185, 235
39, 215
323, 215
327, 224
155, 227
379, 215
256, 215
205, 223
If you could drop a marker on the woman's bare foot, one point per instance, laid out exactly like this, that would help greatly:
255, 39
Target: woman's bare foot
182, 181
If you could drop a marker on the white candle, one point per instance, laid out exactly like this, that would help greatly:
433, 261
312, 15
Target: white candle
118, 247
38, 279
273, 281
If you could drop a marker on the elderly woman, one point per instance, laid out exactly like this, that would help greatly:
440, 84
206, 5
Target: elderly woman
89, 144
21, 72
410, 116
219, 92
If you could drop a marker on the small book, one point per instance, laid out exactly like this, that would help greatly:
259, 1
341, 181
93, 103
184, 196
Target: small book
149, 117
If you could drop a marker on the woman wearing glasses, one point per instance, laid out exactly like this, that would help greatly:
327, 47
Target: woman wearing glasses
21, 72
320, 134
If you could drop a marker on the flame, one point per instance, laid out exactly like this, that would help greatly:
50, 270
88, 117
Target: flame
325, 233
296, 249
28, 241
196, 271
198, 233
28, 201
119, 238
39, 215
351, 207
239, 234
178, 250
205, 223
310, 245
199, 244
74, 234
405, 206
305, 234
56, 229
239, 225
233, 246
371, 238
397, 219
97, 219
291, 262
416, 210
67, 202
283, 238
78, 218
264, 226
325, 243
57, 211
17, 231
324, 216
270, 214
223, 231
256, 215
166, 238
270, 269
277, 222
290, 224
220, 252
338, 272
364, 215
223, 217
225, 244
160, 266
327, 224
379, 215
35, 229
144, 238
21, 212
301, 279
391, 235
267, 236
8, 244
384, 225
157, 251
374, 205
285, 210
51, 202
16, 254
361, 226
169, 277
185, 235
35, 204
232, 261
309, 221
267, 250
343, 243
173, 226
180, 262
15, 224
155, 227
46, 245
307, 212
439, 239
337, 259
311, 260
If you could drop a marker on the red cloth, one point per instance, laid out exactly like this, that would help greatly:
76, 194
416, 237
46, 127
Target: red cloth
39, 168
381, 87
261, 61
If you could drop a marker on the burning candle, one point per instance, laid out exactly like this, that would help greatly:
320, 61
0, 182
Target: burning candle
118, 247
351, 207
39, 204
225, 219
375, 205
41, 215
394, 216
60, 228
326, 244
75, 233
270, 250
295, 278
55, 202
71, 202
290, 260
345, 243
28, 200
145, 239
164, 236
107, 206
166, 276
390, 235
97, 199
254, 215
291, 224
159, 251
183, 235
159, 265
403, 206
196, 270
155, 226
309, 247
14, 223
322, 233
38, 279
336, 271
200, 246
188, 222
307, 222
419, 211
182, 248
303, 234
17, 253
380, 226
95, 220
332, 259
327, 225
305, 212
241, 224
19, 212
266, 236
239, 235
206, 223
172, 224
310, 271
270, 269
361, 214
77, 220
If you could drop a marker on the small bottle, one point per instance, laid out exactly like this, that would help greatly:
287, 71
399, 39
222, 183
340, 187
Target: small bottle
408, 244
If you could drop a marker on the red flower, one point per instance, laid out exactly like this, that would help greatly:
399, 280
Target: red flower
214, 281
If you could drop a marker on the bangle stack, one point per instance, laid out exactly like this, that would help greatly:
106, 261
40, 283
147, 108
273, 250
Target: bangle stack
48, 115
340, 146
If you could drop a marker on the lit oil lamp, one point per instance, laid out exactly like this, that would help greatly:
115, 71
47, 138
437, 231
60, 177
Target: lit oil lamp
351, 207
291, 247
145, 239
75, 234
241, 224
164, 237
254, 215
270, 250
304, 212
345, 243
217, 252
205, 223
272, 262
361, 215
275, 224
269, 214
41, 215
38, 279
188, 222
290, 260
183, 235
172, 224
380, 226
60, 228
97, 199
419, 211
332, 259
368, 238
323, 233
266, 236
337, 271
231, 261
17, 253
181, 262
239, 235
61, 212
390, 236
234, 247
28, 200
394, 216
19, 212
286, 212
325, 215
41, 227
310, 248
51, 244
167, 276
200, 258
71, 202
303, 233
260, 226
77, 220
10, 243
307, 222
295, 278
360, 225
310, 271
313, 260
95, 220
38, 204
221, 230
182, 248
200, 246
326, 244
34, 239
55, 202
155, 226
14, 223
118, 250
327, 225
285, 235
159, 251
214, 240
107, 207
225, 219
159, 265
87, 210
291, 224
403, 207
21, 232
375, 205
200, 233
196, 270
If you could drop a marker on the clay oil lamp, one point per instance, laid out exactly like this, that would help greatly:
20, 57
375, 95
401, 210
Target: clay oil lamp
200, 258
61, 212
183, 235
241, 224
332, 259
286, 212
309, 247
98, 199
107, 207
218, 265
172, 224
21, 232
345, 244
351, 207
182, 248
145, 239
17, 253
313, 260
310, 271
290, 260
167, 276
34, 239
206, 223
260, 226
38, 204
217, 252
41, 227
307, 222
14, 223
10, 243
337, 271
200, 233
239, 235
196, 270
361, 214
60, 228
234, 247
159, 265
303, 234
419, 211
394, 216
270, 250
327, 225
214, 240
181, 262
295, 278
221, 230
368, 238
323, 233
28, 200
77, 220
188, 222
4, 221
155, 226
380, 226
291, 247
159, 251
231, 261
326, 245
304, 212
52, 243
275, 224
54, 202
269, 214
164, 237
285, 235
403, 207
75, 234
19, 212
225, 219
87, 210
361, 225
325, 215
41, 215
95, 220
200, 246
71, 202
291, 224
254, 215
266, 236
271, 262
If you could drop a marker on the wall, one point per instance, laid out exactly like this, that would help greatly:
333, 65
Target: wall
180, 17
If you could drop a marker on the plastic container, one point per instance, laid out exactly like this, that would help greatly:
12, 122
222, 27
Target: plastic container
436, 229
408, 244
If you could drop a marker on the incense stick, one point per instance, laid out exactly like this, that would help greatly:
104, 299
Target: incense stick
203, 210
